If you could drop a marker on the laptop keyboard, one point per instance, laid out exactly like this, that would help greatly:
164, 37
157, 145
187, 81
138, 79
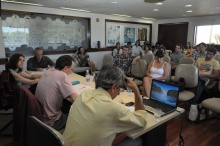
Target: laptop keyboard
163, 107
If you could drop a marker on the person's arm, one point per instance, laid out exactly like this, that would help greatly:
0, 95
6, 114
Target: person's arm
148, 69
72, 97
30, 65
135, 59
30, 76
165, 74
50, 63
118, 138
24, 80
137, 98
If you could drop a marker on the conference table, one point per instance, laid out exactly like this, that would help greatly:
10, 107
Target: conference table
154, 133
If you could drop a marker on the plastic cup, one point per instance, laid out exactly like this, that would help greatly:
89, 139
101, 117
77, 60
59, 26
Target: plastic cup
157, 114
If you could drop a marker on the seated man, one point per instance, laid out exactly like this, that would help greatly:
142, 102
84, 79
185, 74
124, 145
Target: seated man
208, 70
53, 87
38, 62
95, 118
175, 57
125, 60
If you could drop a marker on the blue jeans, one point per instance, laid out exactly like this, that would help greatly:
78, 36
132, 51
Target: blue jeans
130, 142
200, 88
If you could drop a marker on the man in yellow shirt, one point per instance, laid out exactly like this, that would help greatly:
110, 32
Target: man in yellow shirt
95, 118
208, 70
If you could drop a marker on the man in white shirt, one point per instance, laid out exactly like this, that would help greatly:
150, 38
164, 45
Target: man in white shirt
95, 118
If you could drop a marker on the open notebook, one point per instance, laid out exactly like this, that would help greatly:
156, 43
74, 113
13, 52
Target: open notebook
163, 95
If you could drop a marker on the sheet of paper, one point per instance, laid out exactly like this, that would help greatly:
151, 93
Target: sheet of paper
131, 108
81, 87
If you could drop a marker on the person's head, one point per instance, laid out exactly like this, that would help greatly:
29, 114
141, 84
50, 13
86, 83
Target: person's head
210, 53
81, 50
157, 45
189, 46
38, 52
159, 55
65, 63
137, 43
125, 50
117, 45
147, 47
178, 48
15, 62
128, 43
110, 78
202, 47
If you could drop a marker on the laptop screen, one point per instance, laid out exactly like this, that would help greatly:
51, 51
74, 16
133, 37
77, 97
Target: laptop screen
164, 92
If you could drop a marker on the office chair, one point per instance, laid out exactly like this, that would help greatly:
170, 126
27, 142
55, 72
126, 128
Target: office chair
7, 95
212, 104
166, 59
148, 58
190, 73
186, 60
138, 71
107, 60
40, 134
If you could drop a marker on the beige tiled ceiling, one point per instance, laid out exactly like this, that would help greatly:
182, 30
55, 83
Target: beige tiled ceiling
138, 8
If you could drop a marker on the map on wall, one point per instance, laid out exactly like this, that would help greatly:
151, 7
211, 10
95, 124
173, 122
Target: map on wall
24, 32
113, 34
129, 35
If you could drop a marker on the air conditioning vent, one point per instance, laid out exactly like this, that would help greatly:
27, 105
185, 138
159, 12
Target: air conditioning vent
153, 1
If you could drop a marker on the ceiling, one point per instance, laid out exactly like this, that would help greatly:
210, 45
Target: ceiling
138, 8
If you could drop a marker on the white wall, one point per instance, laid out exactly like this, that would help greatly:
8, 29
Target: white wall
193, 21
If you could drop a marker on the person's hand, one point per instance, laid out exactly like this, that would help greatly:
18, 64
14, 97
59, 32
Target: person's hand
39, 69
48, 67
130, 84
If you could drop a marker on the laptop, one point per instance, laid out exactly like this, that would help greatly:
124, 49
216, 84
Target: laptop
163, 95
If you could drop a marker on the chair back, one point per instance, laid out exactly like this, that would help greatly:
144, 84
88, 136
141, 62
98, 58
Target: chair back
186, 60
189, 72
166, 59
40, 134
148, 58
107, 60
216, 56
169, 73
139, 68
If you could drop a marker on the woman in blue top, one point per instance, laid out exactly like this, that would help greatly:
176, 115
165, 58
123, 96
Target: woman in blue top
157, 69
15, 65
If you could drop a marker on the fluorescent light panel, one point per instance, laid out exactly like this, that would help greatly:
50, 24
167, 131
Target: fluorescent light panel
188, 5
21, 3
155, 10
159, 3
74, 9
189, 11
121, 15
148, 18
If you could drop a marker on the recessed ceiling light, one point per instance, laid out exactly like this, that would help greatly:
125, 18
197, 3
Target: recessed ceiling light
159, 3
80, 10
114, 2
21, 3
189, 11
155, 10
188, 5
121, 15
148, 18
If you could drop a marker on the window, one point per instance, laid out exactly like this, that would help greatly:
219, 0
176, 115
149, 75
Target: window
209, 34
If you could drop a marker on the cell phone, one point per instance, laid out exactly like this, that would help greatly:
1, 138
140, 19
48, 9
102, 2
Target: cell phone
129, 104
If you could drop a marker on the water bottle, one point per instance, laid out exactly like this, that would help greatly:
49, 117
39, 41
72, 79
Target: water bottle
87, 78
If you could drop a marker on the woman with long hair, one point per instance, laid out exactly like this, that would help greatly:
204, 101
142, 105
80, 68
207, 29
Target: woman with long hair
157, 69
15, 66
117, 50
83, 59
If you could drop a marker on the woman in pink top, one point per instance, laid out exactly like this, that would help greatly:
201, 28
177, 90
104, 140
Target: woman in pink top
157, 69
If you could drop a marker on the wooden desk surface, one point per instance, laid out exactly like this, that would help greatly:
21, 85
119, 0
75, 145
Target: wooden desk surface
125, 97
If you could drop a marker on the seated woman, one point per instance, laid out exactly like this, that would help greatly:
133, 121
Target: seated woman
188, 50
147, 49
83, 58
157, 69
15, 65
117, 50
